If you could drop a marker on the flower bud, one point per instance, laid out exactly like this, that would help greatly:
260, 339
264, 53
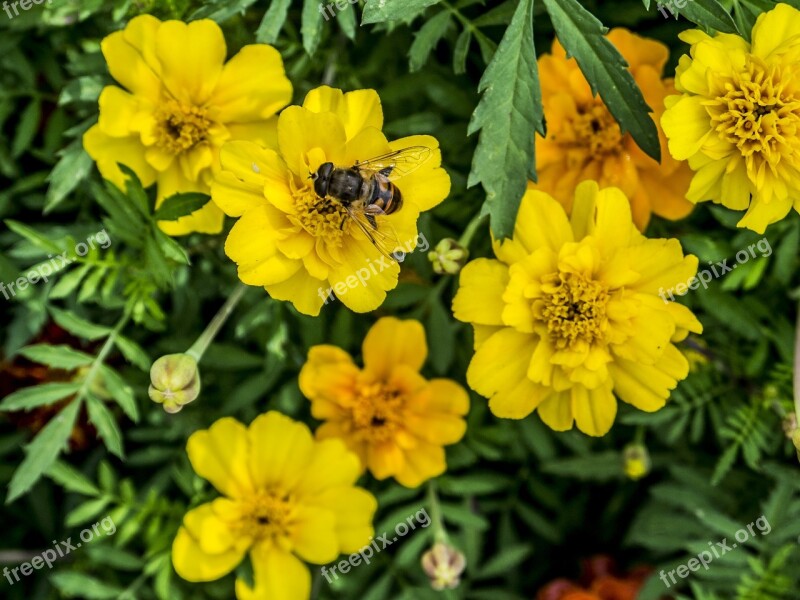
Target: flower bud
444, 565
636, 460
448, 257
174, 381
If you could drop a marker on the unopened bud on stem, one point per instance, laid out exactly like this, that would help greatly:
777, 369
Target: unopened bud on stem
174, 381
444, 564
448, 257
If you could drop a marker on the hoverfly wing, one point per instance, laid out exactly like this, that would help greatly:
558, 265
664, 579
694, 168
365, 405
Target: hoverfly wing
397, 164
384, 239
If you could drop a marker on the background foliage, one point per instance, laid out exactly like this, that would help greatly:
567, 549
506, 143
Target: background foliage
524, 504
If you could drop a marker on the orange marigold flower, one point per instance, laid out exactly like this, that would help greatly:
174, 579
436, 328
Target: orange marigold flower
585, 142
387, 413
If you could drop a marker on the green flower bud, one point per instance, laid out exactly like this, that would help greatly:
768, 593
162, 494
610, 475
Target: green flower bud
636, 461
448, 257
174, 381
444, 564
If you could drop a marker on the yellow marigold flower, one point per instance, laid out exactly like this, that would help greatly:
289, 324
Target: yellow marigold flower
298, 246
570, 314
585, 142
737, 119
287, 499
179, 102
387, 413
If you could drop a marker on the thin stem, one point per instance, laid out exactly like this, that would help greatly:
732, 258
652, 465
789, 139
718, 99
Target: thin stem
439, 532
469, 232
201, 344
101, 357
797, 367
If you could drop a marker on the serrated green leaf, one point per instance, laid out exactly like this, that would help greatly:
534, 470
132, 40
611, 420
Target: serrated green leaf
582, 36
86, 511
426, 39
506, 560
274, 18
71, 479
58, 356
106, 426
121, 392
33, 236
72, 167
27, 127
461, 51
43, 451
133, 352
76, 325
379, 11
709, 14
38, 395
348, 21
69, 282
180, 205
311, 25
507, 115
73, 584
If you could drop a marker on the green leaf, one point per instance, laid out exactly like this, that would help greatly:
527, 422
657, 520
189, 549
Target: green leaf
426, 39
133, 352
460, 52
86, 511
507, 560
26, 130
106, 426
35, 238
507, 115
582, 36
78, 326
38, 395
601, 467
69, 282
180, 205
311, 25
709, 14
134, 190
72, 167
121, 392
274, 18
378, 11
58, 356
347, 21
43, 451
71, 479
73, 584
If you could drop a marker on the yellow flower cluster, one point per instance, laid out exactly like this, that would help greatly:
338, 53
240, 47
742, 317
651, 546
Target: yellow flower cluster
568, 318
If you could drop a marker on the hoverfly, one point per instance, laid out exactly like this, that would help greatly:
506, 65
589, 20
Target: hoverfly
366, 191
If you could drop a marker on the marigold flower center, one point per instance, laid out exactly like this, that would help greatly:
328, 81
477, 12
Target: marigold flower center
375, 412
594, 129
180, 127
574, 309
757, 110
267, 514
321, 217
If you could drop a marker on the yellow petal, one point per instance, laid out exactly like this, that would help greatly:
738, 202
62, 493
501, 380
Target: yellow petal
358, 110
125, 55
763, 213
107, 151
219, 454
594, 410
207, 219
687, 126
331, 465
774, 29
391, 342
354, 509
301, 131
280, 450
429, 184
422, 462
252, 86
191, 57
479, 299
556, 411
278, 575
306, 293
313, 534
191, 562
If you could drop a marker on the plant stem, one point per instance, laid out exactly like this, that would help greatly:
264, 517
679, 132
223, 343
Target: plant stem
201, 344
439, 532
469, 232
101, 357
